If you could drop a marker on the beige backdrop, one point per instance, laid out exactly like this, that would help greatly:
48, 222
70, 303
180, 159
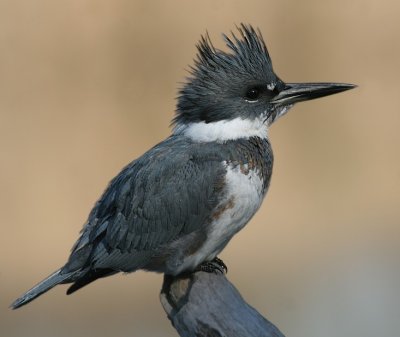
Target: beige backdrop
87, 86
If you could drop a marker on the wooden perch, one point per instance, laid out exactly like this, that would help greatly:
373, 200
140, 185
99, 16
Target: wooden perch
207, 304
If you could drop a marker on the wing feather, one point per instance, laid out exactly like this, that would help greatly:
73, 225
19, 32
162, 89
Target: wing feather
168, 192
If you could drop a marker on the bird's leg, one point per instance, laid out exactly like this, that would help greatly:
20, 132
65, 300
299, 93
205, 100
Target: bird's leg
214, 266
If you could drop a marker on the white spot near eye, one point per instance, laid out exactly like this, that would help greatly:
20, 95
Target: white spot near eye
250, 101
271, 86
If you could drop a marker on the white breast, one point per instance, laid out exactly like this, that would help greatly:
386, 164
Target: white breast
244, 194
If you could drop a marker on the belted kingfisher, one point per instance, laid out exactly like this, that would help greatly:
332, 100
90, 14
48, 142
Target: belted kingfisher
175, 208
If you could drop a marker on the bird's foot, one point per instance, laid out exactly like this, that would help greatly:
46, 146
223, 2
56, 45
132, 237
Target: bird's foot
214, 266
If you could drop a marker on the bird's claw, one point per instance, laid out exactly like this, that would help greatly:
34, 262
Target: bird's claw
214, 266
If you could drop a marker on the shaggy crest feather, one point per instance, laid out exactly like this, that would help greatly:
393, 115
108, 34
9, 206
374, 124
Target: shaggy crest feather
250, 46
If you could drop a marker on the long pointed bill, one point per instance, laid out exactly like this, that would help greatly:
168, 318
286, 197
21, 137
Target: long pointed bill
298, 92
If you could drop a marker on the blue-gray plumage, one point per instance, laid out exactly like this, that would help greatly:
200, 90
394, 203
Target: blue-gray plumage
177, 206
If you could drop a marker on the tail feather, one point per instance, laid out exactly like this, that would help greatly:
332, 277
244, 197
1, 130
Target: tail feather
42, 287
89, 277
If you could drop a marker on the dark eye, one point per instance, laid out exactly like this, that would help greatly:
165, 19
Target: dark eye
253, 94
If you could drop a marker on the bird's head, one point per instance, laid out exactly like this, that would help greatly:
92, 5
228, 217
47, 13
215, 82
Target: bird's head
237, 94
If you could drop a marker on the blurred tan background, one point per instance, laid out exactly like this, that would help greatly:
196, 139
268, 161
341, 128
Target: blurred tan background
87, 85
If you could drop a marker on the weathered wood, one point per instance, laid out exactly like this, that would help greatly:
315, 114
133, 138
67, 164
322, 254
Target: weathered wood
207, 304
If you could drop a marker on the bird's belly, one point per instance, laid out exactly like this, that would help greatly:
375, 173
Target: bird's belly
244, 193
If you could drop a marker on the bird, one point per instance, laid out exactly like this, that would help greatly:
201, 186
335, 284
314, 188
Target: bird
175, 208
